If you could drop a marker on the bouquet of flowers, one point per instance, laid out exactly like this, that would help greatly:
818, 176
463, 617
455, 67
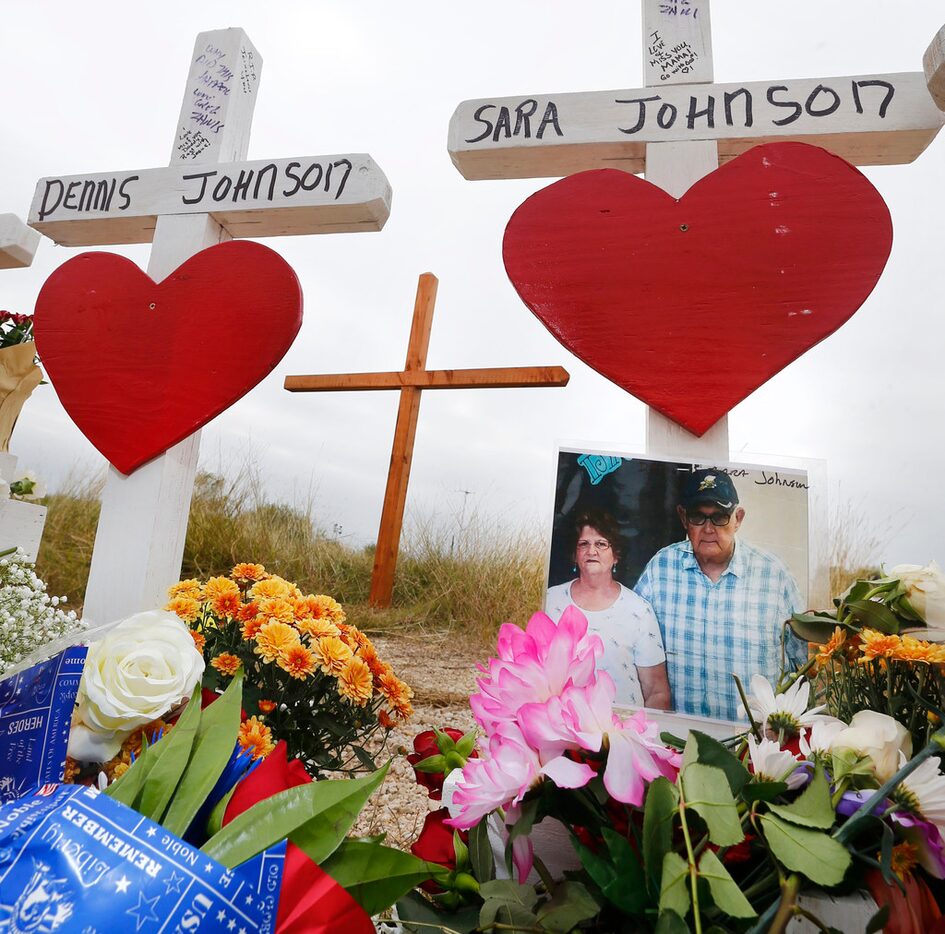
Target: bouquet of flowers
870, 657
15, 329
675, 836
312, 679
30, 617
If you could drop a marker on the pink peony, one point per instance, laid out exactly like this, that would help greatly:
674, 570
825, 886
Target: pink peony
534, 665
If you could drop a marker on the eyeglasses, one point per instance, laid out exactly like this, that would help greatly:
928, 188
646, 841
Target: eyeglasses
601, 544
718, 519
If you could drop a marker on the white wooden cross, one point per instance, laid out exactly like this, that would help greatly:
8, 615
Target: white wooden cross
208, 194
18, 242
680, 126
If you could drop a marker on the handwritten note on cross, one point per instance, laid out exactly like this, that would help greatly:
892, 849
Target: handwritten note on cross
411, 382
208, 194
680, 126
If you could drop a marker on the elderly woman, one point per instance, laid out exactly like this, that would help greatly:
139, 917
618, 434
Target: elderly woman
633, 648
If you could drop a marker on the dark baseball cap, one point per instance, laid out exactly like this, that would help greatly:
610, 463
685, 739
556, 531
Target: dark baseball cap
709, 487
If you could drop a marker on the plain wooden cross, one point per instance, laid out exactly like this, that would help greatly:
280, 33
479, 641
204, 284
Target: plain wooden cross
208, 194
680, 126
411, 381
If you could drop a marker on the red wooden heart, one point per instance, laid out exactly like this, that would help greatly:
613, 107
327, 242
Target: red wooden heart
692, 304
140, 365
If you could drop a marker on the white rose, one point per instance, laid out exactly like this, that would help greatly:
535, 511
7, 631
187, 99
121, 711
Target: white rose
925, 590
143, 668
878, 736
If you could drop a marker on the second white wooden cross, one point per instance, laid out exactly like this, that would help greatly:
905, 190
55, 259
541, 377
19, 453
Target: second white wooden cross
680, 126
207, 195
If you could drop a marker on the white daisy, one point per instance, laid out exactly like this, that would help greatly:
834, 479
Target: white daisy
923, 792
787, 711
771, 763
816, 741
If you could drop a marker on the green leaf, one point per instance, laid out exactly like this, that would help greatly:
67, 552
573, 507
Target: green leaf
212, 747
461, 852
127, 788
874, 615
514, 918
813, 627
670, 923
375, 876
508, 890
628, 869
674, 893
567, 908
659, 810
846, 764
413, 907
481, 857
762, 791
812, 808
710, 751
707, 792
725, 892
814, 854
603, 872
316, 817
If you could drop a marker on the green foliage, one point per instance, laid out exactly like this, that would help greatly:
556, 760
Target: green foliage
814, 854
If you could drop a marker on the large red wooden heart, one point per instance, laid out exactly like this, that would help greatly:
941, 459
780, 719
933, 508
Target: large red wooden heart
692, 304
141, 365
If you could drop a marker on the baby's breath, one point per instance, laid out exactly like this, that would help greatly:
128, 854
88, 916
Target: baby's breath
29, 617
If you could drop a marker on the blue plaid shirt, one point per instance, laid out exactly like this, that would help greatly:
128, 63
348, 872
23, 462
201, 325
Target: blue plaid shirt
712, 630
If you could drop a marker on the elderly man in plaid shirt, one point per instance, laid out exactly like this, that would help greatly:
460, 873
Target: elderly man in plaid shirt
720, 602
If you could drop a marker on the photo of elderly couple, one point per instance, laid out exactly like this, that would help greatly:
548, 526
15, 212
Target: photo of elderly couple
687, 573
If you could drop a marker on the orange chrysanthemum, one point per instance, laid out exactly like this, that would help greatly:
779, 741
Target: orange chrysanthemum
187, 608
403, 709
369, 654
275, 608
188, 588
317, 628
355, 683
200, 640
226, 663
218, 587
249, 572
271, 587
275, 639
331, 654
386, 720
250, 629
298, 661
266, 706
833, 643
877, 645
255, 737
226, 605
319, 606
915, 650
355, 638
71, 770
391, 687
248, 610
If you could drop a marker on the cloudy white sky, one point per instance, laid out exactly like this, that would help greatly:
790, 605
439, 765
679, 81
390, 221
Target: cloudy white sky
97, 87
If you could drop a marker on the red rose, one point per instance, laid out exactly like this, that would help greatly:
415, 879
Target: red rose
425, 747
310, 901
435, 845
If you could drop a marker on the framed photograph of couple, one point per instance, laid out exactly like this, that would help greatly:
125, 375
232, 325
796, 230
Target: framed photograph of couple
687, 572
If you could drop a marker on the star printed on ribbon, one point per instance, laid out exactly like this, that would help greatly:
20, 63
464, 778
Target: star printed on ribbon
144, 911
173, 884
121, 885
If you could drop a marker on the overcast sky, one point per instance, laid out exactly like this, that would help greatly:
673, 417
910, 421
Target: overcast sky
98, 86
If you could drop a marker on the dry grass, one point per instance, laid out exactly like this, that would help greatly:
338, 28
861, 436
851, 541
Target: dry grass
855, 546
465, 574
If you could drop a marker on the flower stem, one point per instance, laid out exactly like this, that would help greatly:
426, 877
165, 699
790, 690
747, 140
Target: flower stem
693, 870
787, 906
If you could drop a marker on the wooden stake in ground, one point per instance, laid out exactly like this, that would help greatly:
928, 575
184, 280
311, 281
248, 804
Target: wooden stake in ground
678, 127
411, 382
208, 194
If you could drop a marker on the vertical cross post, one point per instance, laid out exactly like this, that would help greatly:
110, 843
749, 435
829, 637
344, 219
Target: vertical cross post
143, 523
401, 455
677, 49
